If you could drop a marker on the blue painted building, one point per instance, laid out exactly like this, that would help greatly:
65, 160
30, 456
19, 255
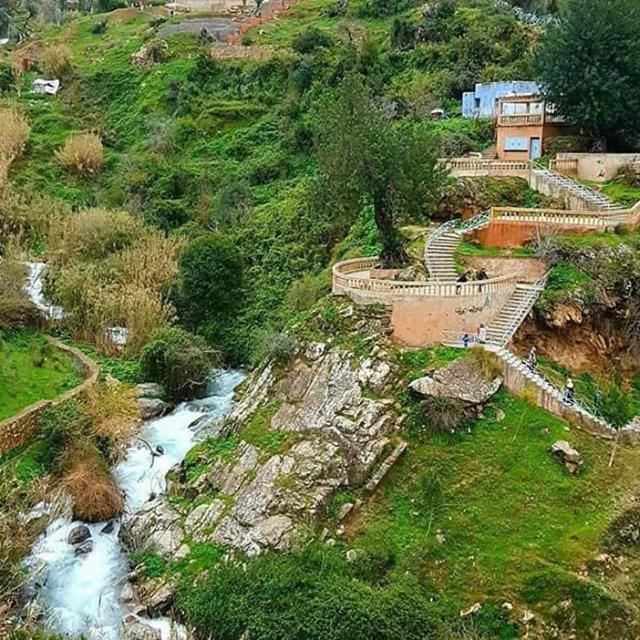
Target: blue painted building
483, 101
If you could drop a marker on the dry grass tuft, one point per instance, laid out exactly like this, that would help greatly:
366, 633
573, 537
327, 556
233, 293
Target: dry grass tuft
56, 60
82, 153
96, 496
15, 133
488, 363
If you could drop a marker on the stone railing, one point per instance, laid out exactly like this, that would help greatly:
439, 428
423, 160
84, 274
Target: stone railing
478, 167
567, 218
520, 120
374, 289
18, 429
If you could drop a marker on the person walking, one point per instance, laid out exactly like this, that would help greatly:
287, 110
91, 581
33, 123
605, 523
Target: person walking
482, 334
532, 362
569, 393
466, 339
597, 401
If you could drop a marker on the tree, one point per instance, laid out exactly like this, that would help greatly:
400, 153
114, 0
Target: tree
617, 411
210, 277
366, 159
590, 69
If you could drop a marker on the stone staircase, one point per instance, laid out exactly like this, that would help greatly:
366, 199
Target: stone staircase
439, 253
550, 397
512, 315
594, 198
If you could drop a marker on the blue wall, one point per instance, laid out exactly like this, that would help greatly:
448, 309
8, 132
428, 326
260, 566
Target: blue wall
489, 92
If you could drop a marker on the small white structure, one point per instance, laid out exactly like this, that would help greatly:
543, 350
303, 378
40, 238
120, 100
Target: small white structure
40, 85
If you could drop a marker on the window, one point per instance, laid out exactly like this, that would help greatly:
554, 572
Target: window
516, 143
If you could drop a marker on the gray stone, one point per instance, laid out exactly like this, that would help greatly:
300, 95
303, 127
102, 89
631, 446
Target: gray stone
351, 555
84, 548
155, 526
79, 534
139, 631
567, 456
152, 408
461, 380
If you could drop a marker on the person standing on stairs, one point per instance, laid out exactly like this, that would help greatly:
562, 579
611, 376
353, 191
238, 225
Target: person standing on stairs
482, 334
481, 275
569, 392
532, 362
597, 401
463, 278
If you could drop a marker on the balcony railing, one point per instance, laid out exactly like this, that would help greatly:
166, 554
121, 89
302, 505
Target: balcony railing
520, 120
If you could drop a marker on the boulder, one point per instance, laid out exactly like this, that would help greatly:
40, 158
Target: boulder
461, 380
567, 456
84, 548
79, 534
152, 408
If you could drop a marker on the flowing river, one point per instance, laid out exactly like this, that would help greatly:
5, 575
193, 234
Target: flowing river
88, 594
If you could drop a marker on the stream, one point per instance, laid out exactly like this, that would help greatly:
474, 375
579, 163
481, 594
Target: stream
86, 592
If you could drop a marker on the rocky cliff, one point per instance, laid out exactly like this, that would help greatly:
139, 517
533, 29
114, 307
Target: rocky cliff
304, 429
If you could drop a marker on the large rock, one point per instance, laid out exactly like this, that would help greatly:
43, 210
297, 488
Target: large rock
462, 379
567, 455
336, 433
155, 526
138, 631
152, 408
150, 390
79, 534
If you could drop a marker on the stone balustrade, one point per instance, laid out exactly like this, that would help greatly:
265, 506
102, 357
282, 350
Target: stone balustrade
566, 166
478, 167
352, 277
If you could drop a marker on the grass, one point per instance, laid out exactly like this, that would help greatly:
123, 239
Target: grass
506, 509
31, 369
467, 248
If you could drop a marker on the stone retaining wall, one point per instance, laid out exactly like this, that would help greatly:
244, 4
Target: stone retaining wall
17, 430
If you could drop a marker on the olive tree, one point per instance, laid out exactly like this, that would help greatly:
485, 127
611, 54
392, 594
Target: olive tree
367, 159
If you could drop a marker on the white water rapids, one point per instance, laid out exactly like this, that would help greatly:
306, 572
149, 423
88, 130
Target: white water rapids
88, 595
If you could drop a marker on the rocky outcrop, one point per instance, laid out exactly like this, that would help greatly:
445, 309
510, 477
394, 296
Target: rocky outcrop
298, 436
566, 455
462, 379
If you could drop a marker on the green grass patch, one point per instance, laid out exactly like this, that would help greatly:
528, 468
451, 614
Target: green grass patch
32, 369
506, 508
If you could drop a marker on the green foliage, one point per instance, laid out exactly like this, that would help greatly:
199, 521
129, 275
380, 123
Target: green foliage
61, 427
442, 414
383, 8
590, 68
310, 40
154, 565
178, 360
616, 407
210, 278
304, 593
365, 160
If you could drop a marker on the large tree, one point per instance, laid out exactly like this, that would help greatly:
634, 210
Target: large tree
368, 160
589, 67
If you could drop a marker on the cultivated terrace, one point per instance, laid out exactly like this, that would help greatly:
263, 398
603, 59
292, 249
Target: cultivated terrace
319, 319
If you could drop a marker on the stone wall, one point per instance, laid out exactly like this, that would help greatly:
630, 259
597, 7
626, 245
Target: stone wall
419, 322
511, 235
18, 429
599, 167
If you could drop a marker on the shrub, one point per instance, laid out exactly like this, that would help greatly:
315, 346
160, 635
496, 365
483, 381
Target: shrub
443, 414
306, 291
15, 133
92, 234
178, 360
6, 77
210, 278
278, 346
82, 154
16, 310
487, 363
99, 27
310, 40
56, 60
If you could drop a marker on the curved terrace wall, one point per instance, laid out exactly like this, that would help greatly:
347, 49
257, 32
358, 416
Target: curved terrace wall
19, 429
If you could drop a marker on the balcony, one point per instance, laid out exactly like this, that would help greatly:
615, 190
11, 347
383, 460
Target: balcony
520, 120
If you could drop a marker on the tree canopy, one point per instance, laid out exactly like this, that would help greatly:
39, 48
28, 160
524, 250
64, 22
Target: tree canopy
368, 160
590, 68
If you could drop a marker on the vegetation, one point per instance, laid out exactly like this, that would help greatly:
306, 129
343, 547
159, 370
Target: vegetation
590, 70
178, 360
32, 369
82, 153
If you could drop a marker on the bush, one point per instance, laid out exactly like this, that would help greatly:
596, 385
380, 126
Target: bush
306, 291
16, 310
442, 414
99, 27
15, 133
56, 60
279, 347
178, 360
92, 234
562, 144
310, 40
210, 278
82, 154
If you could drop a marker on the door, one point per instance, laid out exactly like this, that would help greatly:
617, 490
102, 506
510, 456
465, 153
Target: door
535, 150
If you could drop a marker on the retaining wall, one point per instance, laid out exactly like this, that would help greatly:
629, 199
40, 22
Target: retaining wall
19, 429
